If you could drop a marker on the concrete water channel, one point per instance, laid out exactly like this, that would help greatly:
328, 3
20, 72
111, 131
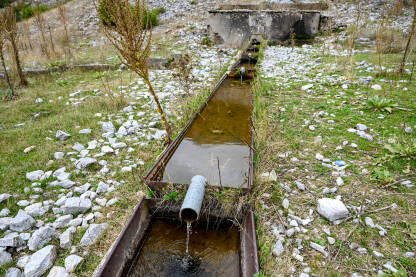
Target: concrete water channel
217, 143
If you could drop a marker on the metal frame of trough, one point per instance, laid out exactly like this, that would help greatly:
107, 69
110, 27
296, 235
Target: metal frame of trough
163, 159
126, 247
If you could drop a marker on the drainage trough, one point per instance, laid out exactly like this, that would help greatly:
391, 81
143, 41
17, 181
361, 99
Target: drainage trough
154, 239
234, 25
217, 143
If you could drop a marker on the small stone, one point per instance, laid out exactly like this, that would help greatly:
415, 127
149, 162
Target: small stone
409, 254
319, 248
332, 209
78, 147
61, 135
28, 149
390, 267
285, 203
4, 197
361, 127
300, 185
340, 181
22, 261
40, 237
369, 222
362, 250
278, 248
331, 240
376, 87
84, 162
75, 205
102, 187
13, 272
111, 202
35, 175
11, 240
378, 254
40, 261
65, 239
58, 155
62, 221
126, 169
354, 245
71, 262
108, 127
290, 232
408, 130
4, 212
21, 222
85, 131
5, 257
93, 233
36, 209
107, 149
58, 271
293, 223
306, 87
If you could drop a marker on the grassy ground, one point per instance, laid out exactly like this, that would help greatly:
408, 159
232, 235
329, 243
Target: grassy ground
283, 114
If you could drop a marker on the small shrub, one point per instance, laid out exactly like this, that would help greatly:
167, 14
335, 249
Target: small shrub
207, 41
402, 149
150, 16
381, 104
27, 11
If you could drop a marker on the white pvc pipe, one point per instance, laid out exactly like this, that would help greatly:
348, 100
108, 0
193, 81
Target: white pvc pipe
192, 203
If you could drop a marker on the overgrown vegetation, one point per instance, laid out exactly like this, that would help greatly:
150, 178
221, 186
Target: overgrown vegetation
150, 17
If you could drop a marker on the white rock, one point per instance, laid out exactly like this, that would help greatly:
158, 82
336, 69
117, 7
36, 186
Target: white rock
28, 149
408, 130
78, 147
269, 176
11, 240
58, 155
319, 157
285, 203
75, 205
361, 127
409, 254
58, 271
5, 223
65, 239
332, 209
306, 87
85, 131
5, 257
331, 240
93, 232
13, 272
22, 261
61, 135
300, 185
290, 232
4, 197
108, 127
107, 149
92, 145
35, 175
111, 202
126, 169
376, 87
36, 209
101, 201
319, 248
278, 248
21, 222
390, 267
40, 261
102, 187
378, 254
71, 262
340, 181
369, 222
84, 162
119, 145
40, 237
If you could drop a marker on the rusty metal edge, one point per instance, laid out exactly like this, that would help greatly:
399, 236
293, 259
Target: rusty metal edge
118, 256
249, 257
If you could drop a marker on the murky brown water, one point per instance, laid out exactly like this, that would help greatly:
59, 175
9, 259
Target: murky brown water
215, 252
217, 142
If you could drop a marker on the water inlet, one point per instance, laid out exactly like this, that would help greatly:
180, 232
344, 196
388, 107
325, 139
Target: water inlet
192, 203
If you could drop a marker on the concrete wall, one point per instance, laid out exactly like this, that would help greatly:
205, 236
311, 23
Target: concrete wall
234, 28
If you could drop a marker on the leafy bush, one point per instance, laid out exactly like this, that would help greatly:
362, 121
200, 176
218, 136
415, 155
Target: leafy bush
26, 11
150, 16
381, 104
401, 148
